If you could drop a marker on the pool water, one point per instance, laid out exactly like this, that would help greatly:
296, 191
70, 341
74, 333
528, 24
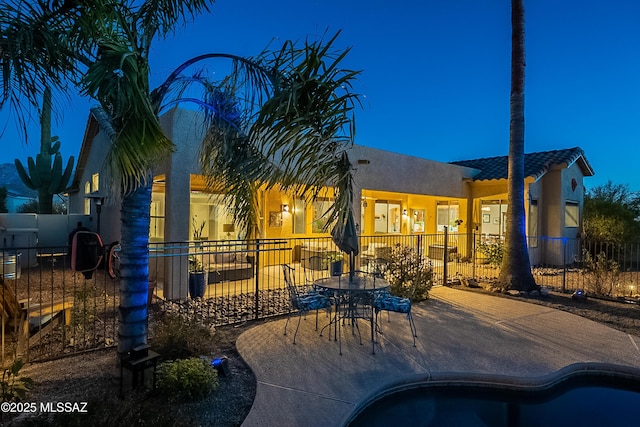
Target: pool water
583, 401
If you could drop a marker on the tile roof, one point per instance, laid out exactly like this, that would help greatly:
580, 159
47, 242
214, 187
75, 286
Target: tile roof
535, 164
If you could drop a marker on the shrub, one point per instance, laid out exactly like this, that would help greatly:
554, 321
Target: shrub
191, 378
493, 252
602, 273
410, 275
14, 387
84, 307
177, 338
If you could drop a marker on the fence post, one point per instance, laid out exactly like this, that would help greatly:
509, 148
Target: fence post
564, 265
473, 256
445, 256
257, 276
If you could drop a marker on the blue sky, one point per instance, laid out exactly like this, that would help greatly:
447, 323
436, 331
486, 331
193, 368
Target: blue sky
436, 74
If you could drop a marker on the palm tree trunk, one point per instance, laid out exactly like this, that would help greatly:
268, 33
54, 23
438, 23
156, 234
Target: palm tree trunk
134, 269
516, 267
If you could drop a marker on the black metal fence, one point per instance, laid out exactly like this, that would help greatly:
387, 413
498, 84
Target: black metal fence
49, 310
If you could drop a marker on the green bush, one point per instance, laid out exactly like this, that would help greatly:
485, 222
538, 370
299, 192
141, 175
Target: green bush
191, 378
177, 338
409, 274
493, 252
14, 387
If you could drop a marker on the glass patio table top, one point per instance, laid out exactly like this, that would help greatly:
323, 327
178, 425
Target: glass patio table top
354, 298
360, 283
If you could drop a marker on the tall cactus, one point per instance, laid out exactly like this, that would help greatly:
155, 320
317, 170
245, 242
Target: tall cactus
42, 176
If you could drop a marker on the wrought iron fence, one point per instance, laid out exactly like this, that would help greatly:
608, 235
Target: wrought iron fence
49, 310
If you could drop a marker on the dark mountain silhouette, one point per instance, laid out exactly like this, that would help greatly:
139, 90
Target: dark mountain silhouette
9, 178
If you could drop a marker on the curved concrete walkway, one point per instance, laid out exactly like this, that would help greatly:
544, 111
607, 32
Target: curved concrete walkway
311, 384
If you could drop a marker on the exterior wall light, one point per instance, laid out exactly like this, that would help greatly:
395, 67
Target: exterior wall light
284, 207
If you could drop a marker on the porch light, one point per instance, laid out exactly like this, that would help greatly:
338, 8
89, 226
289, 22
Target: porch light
98, 200
404, 212
284, 208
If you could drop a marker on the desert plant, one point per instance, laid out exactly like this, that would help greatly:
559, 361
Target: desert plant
601, 273
41, 175
195, 265
14, 387
198, 229
409, 274
175, 337
191, 378
84, 307
492, 252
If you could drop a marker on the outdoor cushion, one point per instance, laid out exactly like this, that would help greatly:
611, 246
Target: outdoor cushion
392, 303
311, 301
225, 258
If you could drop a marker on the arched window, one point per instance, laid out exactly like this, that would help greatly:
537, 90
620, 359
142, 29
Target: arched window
87, 202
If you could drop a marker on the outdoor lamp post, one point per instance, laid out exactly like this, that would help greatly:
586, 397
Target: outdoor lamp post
99, 200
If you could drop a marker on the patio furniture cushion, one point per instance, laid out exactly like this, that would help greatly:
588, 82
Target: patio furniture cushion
392, 303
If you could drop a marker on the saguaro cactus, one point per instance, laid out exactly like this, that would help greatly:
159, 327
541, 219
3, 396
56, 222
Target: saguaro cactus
42, 176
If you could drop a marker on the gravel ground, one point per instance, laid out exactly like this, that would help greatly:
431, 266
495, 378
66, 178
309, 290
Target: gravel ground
94, 378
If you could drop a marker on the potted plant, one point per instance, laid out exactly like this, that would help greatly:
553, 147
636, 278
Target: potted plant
197, 277
336, 263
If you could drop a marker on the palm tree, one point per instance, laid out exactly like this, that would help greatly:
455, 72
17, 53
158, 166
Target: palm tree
278, 119
516, 267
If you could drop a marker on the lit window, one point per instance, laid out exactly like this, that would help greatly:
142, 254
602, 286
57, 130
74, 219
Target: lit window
494, 213
320, 208
87, 202
298, 216
447, 214
95, 182
156, 224
387, 217
533, 223
571, 214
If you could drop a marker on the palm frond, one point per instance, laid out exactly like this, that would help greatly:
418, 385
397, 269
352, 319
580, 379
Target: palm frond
119, 81
283, 119
161, 17
308, 123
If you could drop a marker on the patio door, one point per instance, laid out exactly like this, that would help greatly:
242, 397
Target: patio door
494, 214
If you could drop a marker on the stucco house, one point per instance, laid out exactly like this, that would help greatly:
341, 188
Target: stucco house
397, 194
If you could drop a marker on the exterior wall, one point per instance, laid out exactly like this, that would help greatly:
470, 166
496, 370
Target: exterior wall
387, 171
185, 130
555, 190
572, 194
417, 184
553, 223
110, 212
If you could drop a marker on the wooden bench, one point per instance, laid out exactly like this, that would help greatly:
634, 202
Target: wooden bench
437, 252
51, 257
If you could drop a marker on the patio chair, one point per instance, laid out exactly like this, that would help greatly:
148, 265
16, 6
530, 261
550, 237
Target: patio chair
303, 300
385, 301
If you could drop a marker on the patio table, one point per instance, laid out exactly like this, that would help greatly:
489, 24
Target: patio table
354, 299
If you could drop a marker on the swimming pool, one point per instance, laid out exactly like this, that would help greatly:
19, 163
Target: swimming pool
579, 395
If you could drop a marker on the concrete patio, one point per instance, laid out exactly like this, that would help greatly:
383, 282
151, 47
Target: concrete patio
311, 384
